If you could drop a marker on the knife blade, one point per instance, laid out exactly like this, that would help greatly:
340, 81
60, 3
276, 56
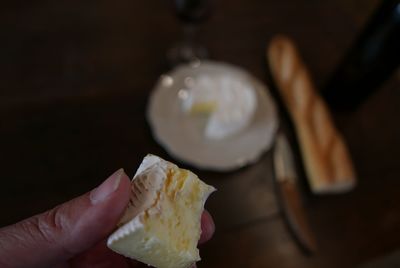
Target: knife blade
290, 198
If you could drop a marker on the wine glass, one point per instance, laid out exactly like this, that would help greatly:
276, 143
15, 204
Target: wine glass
190, 13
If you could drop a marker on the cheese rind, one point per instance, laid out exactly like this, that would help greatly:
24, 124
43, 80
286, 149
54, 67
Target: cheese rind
161, 226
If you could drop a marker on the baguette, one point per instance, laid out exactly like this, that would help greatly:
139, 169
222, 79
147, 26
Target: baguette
326, 159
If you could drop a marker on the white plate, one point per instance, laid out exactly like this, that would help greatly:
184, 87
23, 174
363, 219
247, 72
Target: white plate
180, 134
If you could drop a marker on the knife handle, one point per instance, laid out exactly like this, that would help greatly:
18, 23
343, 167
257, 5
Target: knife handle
294, 213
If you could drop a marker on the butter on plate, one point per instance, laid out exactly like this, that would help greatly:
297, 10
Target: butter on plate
162, 223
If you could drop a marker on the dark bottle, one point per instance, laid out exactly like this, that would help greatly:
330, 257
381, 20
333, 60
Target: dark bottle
370, 61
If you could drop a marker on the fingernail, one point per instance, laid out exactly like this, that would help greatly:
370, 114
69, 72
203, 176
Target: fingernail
109, 186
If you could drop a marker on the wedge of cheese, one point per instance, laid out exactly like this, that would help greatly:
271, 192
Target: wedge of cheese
161, 226
229, 102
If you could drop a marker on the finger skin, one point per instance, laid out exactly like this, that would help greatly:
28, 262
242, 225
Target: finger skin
60, 233
207, 227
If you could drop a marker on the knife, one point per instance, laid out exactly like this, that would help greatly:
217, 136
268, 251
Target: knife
289, 195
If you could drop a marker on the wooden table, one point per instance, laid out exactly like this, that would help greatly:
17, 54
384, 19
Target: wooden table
74, 80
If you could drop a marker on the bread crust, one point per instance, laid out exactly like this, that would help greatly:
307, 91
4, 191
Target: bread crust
325, 156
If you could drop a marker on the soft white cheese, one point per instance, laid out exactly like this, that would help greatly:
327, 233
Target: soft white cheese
161, 226
229, 103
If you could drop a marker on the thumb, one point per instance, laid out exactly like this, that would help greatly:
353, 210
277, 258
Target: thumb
69, 229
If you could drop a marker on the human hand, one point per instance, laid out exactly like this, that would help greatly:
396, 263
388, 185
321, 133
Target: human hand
73, 234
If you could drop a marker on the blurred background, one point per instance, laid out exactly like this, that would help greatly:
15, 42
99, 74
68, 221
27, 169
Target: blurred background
75, 77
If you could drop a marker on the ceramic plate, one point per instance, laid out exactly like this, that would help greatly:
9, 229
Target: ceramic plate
181, 134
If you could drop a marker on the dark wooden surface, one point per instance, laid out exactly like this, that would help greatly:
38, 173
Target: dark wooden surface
74, 80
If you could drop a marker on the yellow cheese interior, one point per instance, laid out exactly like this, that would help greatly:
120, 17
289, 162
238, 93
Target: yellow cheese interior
176, 221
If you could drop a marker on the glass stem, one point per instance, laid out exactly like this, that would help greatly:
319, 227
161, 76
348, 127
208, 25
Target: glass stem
189, 33
187, 50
